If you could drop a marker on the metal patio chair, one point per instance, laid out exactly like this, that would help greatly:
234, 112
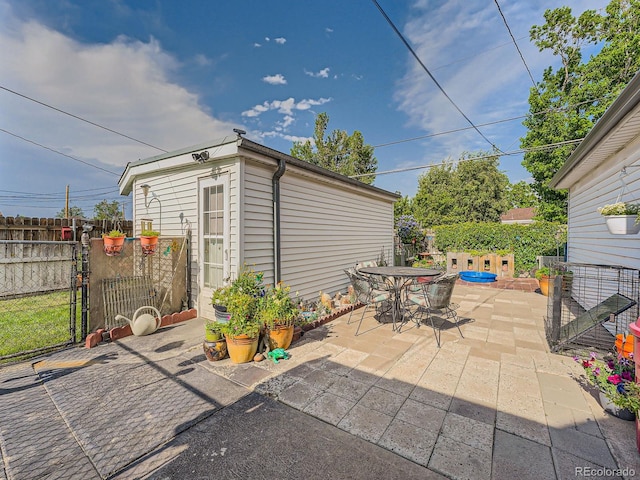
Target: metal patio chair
435, 298
369, 292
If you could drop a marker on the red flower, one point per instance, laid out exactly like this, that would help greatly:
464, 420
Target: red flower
615, 379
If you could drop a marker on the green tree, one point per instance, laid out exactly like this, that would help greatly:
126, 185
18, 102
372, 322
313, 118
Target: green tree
472, 191
107, 211
568, 101
521, 195
339, 152
73, 212
402, 207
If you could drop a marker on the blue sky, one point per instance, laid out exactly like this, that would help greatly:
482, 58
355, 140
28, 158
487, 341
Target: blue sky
173, 74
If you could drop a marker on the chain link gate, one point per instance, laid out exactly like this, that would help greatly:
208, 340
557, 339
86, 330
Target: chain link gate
39, 285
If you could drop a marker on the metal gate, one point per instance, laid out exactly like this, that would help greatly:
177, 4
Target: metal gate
39, 285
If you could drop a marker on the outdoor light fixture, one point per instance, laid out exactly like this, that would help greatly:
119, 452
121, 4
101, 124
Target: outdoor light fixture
200, 157
145, 190
239, 131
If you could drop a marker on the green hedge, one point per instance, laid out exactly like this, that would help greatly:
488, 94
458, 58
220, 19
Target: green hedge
526, 242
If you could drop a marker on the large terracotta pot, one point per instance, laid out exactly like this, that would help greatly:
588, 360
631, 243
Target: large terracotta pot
242, 348
544, 285
280, 337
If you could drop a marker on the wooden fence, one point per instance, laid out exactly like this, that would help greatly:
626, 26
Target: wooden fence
56, 229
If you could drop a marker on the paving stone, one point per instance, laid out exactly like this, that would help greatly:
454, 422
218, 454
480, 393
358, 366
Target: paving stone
472, 433
299, 395
421, 415
524, 426
570, 466
516, 457
410, 441
582, 445
459, 461
349, 389
365, 423
329, 407
382, 400
475, 410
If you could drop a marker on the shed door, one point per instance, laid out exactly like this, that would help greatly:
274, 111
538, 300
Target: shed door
213, 241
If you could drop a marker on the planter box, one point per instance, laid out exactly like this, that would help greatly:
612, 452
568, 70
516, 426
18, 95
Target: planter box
622, 224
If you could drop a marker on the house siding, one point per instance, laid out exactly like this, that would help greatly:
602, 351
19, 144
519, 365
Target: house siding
178, 193
589, 241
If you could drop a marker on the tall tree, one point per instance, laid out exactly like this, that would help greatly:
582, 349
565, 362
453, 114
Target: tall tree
339, 152
472, 191
568, 101
74, 212
521, 195
107, 211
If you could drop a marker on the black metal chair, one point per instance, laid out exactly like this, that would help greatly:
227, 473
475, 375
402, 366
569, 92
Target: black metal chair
369, 292
435, 298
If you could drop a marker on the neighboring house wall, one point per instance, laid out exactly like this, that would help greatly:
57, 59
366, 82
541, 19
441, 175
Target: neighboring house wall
589, 241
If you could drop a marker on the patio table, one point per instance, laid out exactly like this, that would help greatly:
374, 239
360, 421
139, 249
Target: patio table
398, 278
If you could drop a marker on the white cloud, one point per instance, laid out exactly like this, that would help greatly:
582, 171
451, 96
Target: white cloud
285, 107
328, 30
324, 73
277, 79
280, 40
257, 45
203, 60
123, 85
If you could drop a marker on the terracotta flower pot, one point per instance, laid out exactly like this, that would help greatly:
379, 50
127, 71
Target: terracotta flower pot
280, 337
242, 348
113, 245
148, 244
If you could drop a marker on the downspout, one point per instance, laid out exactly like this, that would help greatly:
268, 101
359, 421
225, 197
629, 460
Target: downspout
275, 188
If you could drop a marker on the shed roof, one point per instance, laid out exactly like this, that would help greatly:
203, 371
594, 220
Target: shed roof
613, 131
236, 144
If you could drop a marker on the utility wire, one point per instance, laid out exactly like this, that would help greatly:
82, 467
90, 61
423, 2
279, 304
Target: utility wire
447, 132
424, 67
491, 155
515, 43
56, 151
82, 119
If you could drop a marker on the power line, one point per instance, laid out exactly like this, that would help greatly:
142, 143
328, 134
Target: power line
82, 119
461, 129
424, 67
515, 152
56, 151
515, 43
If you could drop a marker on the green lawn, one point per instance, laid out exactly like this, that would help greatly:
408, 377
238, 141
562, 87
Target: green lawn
35, 321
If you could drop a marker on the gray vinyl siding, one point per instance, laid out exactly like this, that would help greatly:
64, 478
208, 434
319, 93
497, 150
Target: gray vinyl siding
589, 241
257, 241
327, 227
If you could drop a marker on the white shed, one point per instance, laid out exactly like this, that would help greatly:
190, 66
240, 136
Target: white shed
247, 204
604, 169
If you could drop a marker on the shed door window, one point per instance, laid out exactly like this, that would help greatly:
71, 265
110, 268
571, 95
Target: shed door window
213, 235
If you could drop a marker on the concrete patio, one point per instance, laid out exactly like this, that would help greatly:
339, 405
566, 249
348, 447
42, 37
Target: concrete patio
493, 405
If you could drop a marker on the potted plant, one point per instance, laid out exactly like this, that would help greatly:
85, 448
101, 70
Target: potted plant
242, 331
149, 241
621, 218
614, 377
278, 312
247, 281
543, 275
113, 242
215, 345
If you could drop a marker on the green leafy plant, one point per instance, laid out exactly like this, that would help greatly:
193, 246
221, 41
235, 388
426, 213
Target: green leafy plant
241, 299
543, 272
149, 233
213, 330
614, 376
620, 208
114, 234
277, 307
242, 307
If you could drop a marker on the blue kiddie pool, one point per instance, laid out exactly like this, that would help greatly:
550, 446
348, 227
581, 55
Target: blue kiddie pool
478, 277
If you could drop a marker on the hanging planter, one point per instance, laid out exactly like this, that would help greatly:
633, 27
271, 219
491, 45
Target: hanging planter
113, 242
149, 241
621, 218
622, 224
